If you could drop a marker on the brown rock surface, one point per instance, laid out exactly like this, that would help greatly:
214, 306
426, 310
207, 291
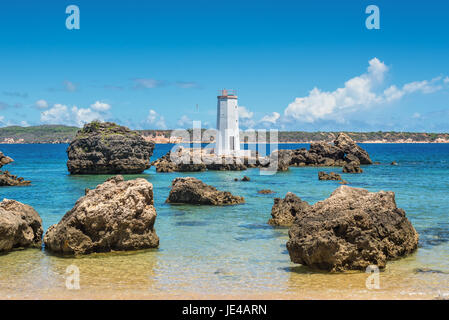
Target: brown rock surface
115, 216
193, 191
20, 226
284, 211
350, 230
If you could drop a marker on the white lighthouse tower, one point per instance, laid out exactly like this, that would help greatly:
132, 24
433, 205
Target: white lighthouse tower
228, 138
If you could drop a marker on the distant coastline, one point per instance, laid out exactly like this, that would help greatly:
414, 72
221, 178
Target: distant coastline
58, 134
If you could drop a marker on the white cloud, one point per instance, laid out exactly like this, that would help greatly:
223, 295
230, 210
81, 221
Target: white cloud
446, 80
185, 121
69, 86
357, 93
156, 120
2, 120
416, 115
100, 106
245, 113
61, 114
41, 104
187, 84
271, 118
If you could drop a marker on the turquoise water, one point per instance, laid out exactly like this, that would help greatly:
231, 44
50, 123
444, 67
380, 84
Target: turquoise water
231, 251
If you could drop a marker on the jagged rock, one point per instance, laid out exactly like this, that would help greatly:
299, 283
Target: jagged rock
326, 150
394, 163
193, 191
346, 144
352, 167
4, 160
328, 176
350, 230
115, 216
7, 179
245, 178
20, 226
265, 191
284, 159
284, 211
105, 147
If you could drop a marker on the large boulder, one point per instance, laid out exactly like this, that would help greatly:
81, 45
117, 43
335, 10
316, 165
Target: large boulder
107, 148
352, 167
346, 144
193, 191
352, 229
117, 215
20, 226
284, 211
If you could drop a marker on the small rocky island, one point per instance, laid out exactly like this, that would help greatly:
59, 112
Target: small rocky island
321, 154
20, 226
193, 191
107, 148
117, 215
350, 230
7, 179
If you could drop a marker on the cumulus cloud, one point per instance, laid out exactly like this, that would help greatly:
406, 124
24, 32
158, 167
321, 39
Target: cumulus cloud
185, 121
358, 93
446, 80
271, 118
41, 104
62, 114
245, 113
156, 120
100, 106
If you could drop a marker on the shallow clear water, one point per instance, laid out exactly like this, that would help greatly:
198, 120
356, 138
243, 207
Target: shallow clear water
231, 251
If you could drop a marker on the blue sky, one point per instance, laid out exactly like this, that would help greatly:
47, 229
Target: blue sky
297, 65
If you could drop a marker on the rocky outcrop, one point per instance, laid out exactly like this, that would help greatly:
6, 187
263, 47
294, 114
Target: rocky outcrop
350, 230
107, 148
117, 215
4, 160
349, 147
7, 179
329, 176
20, 226
193, 191
352, 167
284, 211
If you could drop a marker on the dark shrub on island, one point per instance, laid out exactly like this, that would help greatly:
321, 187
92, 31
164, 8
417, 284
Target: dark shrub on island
350, 230
193, 191
117, 215
105, 147
20, 226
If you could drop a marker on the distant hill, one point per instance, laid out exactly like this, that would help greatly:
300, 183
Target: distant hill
65, 134
38, 134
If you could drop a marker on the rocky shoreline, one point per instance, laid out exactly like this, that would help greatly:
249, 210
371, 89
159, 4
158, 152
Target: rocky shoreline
8, 179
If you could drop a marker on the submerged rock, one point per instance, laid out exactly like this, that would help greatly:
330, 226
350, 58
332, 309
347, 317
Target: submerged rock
329, 176
115, 216
352, 167
350, 230
193, 191
265, 191
105, 147
284, 211
20, 226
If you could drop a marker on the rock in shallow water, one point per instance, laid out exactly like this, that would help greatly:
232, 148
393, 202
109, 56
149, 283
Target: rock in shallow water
20, 226
105, 147
7, 179
329, 176
193, 191
285, 210
115, 216
350, 230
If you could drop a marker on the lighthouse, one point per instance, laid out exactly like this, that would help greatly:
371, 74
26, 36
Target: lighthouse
228, 138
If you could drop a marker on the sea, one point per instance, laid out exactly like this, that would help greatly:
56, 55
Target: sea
230, 251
